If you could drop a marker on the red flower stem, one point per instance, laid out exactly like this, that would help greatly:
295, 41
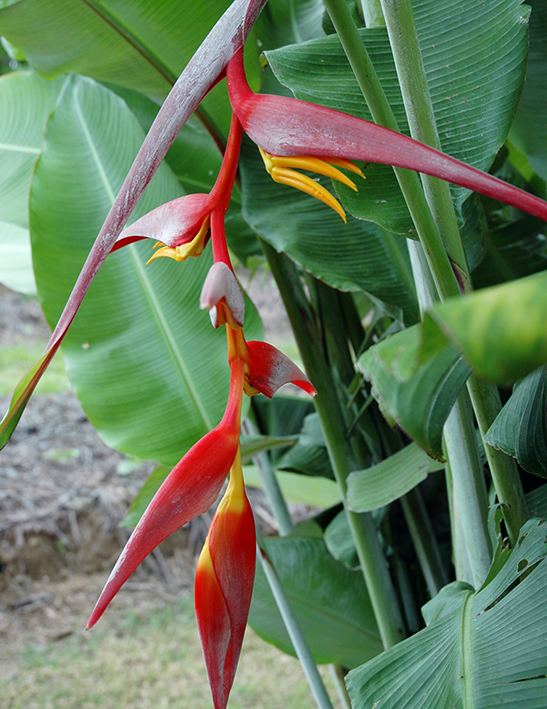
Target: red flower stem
222, 192
224, 183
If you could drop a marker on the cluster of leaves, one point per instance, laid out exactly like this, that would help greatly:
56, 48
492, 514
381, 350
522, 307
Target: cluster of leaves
83, 83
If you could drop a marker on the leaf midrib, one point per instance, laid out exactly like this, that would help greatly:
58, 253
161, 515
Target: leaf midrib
159, 317
15, 148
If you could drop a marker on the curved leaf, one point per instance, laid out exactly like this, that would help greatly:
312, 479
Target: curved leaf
479, 650
328, 599
500, 331
146, 364
30, 100
529, 130
418, 395
520, 429
383, 483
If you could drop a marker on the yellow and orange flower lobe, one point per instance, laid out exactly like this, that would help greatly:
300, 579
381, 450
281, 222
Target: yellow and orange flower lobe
284, 170
185, 251
223, 585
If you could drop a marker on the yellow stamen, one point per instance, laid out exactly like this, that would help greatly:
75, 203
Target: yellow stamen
225, 317
348, 165
184, 251
282, 169
309, 186
316, 165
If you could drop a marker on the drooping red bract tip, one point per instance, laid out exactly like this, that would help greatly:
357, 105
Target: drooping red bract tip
269, 369
223, 587
188, 491
284, 126
173, 223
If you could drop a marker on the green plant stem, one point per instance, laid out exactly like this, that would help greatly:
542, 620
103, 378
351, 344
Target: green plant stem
340, 309
470, 504
373, 565
280, 509
466, 479
293, 629
338, 677
409, 182
372, 12
271, 487
421, 119
424, 541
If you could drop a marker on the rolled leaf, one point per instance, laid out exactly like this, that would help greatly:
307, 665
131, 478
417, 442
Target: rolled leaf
199, 75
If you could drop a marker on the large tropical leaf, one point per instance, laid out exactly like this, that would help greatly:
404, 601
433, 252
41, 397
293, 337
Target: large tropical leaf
520, 429
146, 364
529, 130
473, 109
30, 100
479, 650
380, 484
328, 599
133, 43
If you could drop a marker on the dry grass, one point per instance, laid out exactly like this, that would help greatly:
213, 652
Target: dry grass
143, 662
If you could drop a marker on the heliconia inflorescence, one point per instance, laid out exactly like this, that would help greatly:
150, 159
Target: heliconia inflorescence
225, 571
292, 136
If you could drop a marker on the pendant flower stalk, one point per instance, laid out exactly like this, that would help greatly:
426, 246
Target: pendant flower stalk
225, 571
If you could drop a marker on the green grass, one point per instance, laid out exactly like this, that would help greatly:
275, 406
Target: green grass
15, 361
152, 661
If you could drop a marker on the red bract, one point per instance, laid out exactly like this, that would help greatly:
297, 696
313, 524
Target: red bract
182, 225
269, 370
188, 491
288, 126
224, 584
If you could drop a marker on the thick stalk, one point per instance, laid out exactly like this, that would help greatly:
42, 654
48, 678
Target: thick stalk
281, 512
271, 487
372, 13
421, 119
409, 182
373, 565
295, 632
414, 510
469, 506
439, 265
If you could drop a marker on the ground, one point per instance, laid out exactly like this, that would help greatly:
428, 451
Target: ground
63, 493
